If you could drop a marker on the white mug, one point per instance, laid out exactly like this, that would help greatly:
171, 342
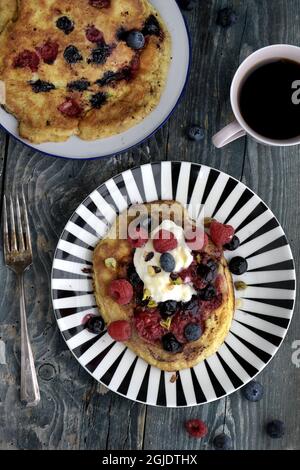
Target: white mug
239, 127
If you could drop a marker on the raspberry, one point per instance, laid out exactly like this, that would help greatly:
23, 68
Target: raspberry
138, 237
220, 233
196, 239
48, 51
27, 59
119, 330
93, 34
196, 428
70, 108
147, 323
164, 241
121, 291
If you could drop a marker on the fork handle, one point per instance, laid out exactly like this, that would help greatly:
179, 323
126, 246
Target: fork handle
30, 393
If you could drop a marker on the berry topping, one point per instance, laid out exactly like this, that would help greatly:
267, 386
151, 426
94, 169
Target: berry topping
233, 244
100, 3
186, 4
151, 26
94, 35
195, 133
222, 442
138, 238
164, 241
191, 307
167, 262
253, 391
208, 272
196, 239
110, 78
119, 330
72, 55
275, 429
170, 343
78, 85
121, 291
48, 51
135, 39
133, 276
70, 108
196, 428
208, 293
100, 54
27, 59
98, 99
192, 332
220, 233
226, 17
148, 325
95, 324
65, 24
40, 86
167, 308
238, 265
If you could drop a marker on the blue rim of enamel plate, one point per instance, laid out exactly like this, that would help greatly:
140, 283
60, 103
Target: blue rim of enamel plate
32, 147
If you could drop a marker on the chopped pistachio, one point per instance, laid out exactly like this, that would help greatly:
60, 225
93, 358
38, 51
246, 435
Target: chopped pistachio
177, 282
146, 295
110, 263
198, 258
152, 304
166, 323
240, 285
151, 270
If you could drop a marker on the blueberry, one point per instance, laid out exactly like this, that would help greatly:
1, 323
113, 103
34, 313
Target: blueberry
233, 244
171, 344
253, 391
95, 324
78, 85
151, 26
208, 293
65, 24
98, 99
100, 54
186, 4
192, 331
192, 306
72, 55
39, 86
168, 308
109, 77
195, 133
222, 442
135, 39
226, 17
238, 265
167, 262
275, 429
133, 276
208, 272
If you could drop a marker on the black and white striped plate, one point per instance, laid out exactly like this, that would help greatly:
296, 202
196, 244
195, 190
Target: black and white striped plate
261, 319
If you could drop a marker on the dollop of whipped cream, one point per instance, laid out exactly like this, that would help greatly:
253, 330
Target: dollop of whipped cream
160, 286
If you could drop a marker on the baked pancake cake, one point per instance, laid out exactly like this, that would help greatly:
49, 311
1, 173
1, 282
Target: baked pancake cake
91, 68
163, 286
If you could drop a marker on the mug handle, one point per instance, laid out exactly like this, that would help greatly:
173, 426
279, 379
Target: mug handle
228, 134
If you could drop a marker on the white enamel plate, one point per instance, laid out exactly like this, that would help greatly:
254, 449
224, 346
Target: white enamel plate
177, 78
264, 310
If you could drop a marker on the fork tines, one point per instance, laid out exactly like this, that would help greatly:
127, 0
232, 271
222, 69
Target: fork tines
16, 226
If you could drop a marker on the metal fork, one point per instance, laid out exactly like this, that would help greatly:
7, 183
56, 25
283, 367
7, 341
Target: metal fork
18, 257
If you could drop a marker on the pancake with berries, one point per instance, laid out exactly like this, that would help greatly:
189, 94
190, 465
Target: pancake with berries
91, 68
163, 286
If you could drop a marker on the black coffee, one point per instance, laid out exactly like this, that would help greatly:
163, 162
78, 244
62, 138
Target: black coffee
266, 100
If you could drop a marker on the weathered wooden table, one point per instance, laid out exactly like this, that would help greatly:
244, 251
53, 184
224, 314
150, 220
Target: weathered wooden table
75, 412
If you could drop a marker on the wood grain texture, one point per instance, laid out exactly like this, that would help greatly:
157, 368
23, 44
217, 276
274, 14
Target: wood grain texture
76, 412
